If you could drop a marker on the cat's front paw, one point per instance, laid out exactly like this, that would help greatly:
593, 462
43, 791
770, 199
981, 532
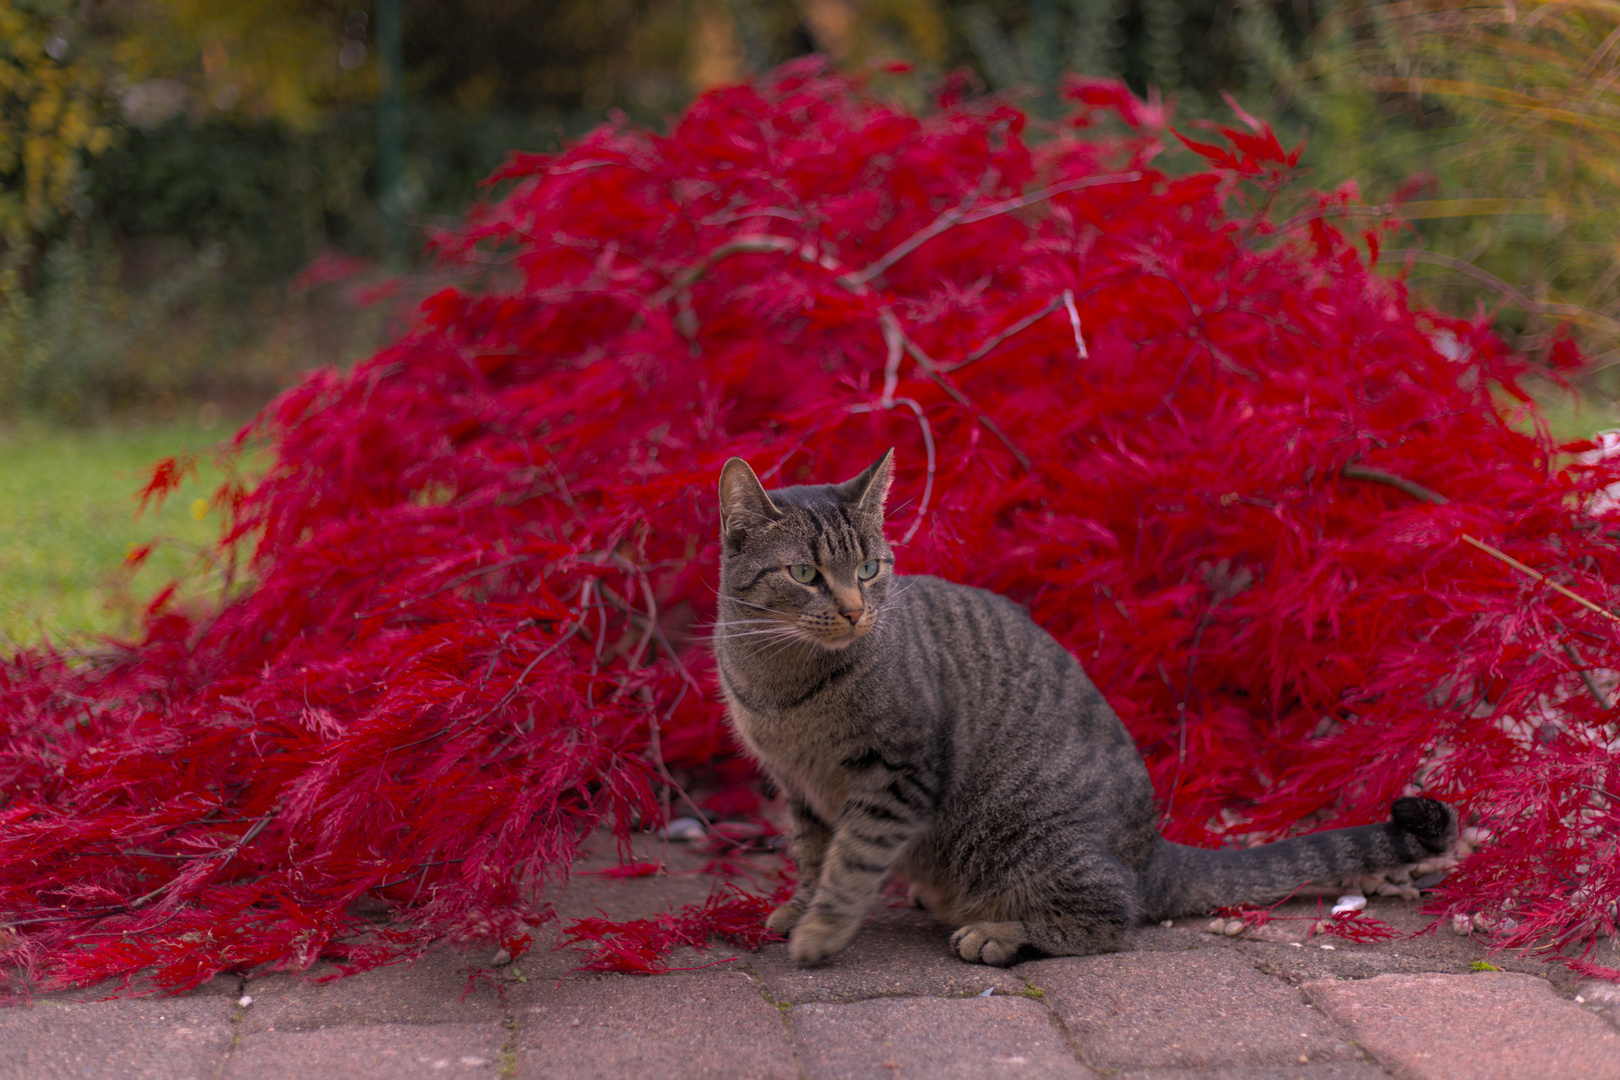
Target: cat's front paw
785, 918
996, 944
817, 936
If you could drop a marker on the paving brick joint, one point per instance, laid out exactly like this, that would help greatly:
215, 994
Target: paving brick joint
1180, 1004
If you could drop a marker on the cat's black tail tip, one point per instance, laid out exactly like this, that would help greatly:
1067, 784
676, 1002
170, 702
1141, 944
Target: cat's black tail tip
1433, 824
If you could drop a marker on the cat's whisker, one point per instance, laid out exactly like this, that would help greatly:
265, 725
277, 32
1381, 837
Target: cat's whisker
766, 632
752, 604
728, 624
757, 630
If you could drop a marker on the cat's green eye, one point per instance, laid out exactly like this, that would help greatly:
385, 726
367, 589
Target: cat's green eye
868, 570
803, 573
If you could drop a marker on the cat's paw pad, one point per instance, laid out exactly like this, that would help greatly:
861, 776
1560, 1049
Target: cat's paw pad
784, 918
816, 937
996, 944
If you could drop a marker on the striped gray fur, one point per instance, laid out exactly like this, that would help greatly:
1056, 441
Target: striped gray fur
932, 731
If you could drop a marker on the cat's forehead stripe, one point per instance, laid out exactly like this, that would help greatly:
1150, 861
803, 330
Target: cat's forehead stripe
839, 531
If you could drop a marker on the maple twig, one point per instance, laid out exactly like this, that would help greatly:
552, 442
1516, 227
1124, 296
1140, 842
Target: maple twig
652, 610
743, 245
655, 746
1353, 471
1586, 675
517, 684
1497, 553
1074, 323
224, 856
417, 598
1016, 328
925, 362
941, 224
927, 233
1049, 192
894, 340
417, 871
928, 445
928, 483
654, 723
500, 646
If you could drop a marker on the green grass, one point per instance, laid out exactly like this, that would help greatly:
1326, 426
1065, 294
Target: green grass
68, 519
1572, 415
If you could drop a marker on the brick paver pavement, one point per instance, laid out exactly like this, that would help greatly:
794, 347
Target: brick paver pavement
1181, 1004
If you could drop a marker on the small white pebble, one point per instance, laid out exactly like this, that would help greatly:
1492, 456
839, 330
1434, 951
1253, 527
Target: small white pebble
987, 991
1234, 927
1216, 926
245, 1000
1580, 1000
1168, 923
683, 828
1461, 925
1329, 948
1296, 944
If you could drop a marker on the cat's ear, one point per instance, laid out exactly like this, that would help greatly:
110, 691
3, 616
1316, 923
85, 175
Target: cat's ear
866, 492
742, 498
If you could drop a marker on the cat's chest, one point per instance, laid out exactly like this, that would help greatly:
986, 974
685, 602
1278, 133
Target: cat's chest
804, 754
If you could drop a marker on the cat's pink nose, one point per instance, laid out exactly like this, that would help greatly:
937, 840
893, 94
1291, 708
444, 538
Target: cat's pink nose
853, 615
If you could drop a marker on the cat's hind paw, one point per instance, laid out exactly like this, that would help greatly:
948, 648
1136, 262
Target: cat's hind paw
996, 944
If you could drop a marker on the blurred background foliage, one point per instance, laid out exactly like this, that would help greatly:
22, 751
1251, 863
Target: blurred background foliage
170, 169
1497, 129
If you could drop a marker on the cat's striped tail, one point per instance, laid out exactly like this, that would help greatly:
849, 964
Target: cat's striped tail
1181, 880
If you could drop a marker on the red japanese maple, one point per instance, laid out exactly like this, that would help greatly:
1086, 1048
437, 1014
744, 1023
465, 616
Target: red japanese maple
1266, 499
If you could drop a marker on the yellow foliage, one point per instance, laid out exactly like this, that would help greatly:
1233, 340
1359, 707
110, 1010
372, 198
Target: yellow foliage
51, 121
276, 59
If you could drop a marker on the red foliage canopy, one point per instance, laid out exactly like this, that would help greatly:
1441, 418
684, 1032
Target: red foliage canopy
1175, 412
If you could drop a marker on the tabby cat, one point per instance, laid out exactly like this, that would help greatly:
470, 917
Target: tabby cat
932, 731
